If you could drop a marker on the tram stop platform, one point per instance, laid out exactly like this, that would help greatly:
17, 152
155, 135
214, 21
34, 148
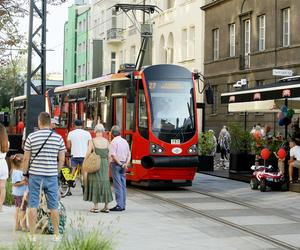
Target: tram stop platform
212, 214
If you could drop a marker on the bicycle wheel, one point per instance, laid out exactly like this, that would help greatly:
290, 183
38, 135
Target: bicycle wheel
64, 189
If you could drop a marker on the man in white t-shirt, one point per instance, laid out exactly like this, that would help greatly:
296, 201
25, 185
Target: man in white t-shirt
77, 142
294, 161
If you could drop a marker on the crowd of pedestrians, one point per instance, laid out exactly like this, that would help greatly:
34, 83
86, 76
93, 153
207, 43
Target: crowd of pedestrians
44, 154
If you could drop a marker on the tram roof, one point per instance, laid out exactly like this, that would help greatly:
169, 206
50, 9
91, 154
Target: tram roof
18, 98
93, 82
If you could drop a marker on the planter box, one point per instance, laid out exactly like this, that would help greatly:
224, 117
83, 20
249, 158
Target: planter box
241, 163
205, 163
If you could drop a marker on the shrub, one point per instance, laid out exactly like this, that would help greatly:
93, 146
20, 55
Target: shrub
9, 200
240, 139
206, 143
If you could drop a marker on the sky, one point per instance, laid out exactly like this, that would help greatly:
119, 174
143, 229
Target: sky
57, 16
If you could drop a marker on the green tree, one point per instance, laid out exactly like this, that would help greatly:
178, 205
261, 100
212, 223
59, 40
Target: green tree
11, 80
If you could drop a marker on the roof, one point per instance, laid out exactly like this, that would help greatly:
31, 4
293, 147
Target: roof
93, 82
211, 3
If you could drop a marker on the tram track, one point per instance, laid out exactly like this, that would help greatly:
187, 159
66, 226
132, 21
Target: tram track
244, 204
266, 238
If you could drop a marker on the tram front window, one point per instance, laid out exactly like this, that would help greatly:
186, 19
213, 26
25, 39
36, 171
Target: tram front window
172, 110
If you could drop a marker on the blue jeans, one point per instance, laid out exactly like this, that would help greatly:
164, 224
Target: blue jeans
50, 186
76, 161
119, 180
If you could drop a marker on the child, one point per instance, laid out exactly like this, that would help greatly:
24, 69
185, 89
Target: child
280, 163
20, 186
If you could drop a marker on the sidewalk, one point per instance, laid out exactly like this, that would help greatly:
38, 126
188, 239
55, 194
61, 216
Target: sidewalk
151, 224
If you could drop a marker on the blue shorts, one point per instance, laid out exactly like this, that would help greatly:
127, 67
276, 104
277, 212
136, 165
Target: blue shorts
49, 185
76, 161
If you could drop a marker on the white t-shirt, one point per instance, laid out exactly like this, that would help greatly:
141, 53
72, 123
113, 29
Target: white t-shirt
79, 142
295, 152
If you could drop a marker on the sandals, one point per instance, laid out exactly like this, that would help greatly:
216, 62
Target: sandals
104, 210
94, 210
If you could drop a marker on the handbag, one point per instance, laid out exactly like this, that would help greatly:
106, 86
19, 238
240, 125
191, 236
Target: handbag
91, 163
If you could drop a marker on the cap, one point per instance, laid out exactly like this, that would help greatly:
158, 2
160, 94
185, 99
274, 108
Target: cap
78, 123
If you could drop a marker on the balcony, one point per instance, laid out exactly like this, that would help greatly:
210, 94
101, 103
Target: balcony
166, 17
114, 35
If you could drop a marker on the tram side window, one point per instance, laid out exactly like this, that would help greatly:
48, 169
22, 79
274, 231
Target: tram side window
64, 111
91, 115
119, 112
129, 116
143, 118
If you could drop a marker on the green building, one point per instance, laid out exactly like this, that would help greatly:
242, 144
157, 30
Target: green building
76, 45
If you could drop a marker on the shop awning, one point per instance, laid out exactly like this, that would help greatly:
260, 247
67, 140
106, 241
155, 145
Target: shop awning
269, 106
281, 90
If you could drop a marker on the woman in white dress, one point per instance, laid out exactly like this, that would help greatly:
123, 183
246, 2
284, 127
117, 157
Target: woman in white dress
3, 164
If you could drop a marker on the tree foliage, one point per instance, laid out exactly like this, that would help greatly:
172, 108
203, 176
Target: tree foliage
10, 13
12, 80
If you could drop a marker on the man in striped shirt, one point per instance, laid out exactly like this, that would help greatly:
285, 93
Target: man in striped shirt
43, 170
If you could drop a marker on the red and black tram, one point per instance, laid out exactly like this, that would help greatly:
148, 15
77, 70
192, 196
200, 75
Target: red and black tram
156, 111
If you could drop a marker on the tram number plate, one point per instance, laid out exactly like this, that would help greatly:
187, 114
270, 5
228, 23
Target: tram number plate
175, 141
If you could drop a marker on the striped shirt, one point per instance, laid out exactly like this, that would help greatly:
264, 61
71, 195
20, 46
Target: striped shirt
45, 163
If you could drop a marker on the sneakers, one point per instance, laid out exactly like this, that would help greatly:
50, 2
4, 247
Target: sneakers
56, 238
116, 208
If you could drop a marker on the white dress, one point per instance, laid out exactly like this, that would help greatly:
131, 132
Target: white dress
3, 166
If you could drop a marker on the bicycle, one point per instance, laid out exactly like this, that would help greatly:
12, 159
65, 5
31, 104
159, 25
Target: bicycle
67, 180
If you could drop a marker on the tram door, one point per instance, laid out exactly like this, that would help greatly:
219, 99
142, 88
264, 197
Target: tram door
123, 117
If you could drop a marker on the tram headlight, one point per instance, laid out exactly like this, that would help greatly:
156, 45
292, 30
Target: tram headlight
155, 149
193, 149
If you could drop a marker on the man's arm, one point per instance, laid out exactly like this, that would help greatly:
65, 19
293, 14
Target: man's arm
116, 160
69, 145
26, 159
61, 159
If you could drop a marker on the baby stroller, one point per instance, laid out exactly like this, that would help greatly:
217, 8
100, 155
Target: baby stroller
44, 224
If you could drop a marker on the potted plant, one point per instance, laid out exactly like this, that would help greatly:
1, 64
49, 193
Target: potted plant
206, 149
241, 158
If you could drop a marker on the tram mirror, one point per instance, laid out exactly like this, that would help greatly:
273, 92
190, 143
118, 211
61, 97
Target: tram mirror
209, 94
130, 95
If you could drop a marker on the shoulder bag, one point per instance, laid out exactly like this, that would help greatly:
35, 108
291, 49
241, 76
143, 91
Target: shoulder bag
92, 161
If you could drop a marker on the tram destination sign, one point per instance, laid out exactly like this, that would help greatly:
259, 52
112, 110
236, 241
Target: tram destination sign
282, 72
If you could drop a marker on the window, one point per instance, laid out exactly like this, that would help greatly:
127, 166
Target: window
132, 54
232, 39
247, 47
170, 4
121, 59
286, 27
80, 26
261, 32
83, 46
78, 71
184, 44
216, 44
142, 112
215, 96
113, 62
192, 42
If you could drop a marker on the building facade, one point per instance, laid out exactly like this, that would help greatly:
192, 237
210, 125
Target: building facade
114, 38
247, 39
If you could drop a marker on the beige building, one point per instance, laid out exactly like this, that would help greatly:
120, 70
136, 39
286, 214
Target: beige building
247, 39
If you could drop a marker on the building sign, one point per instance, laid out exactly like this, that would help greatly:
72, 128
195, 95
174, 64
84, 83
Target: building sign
282, 72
